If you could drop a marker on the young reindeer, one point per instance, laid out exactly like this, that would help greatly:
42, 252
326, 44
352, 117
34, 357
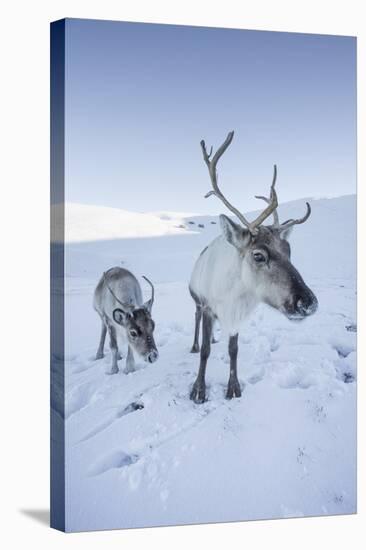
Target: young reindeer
118, 301
247, 264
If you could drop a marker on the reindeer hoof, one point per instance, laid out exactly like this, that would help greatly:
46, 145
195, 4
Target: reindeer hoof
113, 370
233, 389
195, 348
198, 393
129, 370
99, 355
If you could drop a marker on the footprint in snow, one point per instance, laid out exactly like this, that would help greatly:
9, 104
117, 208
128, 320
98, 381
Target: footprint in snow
343, 350
348, 377
114, 460
345, 371
132, 407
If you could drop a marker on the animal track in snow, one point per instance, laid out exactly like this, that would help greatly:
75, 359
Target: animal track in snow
346, 368
132, 407
289, 375
159, 437
115, 459
343, 350
318, 411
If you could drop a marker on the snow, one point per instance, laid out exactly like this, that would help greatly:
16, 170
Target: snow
95, 223
140, 453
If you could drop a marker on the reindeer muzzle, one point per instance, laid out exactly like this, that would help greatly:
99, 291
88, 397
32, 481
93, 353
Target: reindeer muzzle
306, 305
152, 356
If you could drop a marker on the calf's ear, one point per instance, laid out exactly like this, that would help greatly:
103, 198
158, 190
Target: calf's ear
234, 234
148, 306
120, 316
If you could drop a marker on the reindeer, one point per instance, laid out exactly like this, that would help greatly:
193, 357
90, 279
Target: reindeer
246, 265
118, 301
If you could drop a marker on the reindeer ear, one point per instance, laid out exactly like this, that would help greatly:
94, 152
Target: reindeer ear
148, 305
234, 234
286, 233
120, 316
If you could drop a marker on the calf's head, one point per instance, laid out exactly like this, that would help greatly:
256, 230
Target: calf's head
267, 270
139, 328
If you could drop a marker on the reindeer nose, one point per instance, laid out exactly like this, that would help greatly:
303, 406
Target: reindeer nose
307, 304
152, 356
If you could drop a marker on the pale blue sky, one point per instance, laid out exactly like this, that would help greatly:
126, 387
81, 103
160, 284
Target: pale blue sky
140, 97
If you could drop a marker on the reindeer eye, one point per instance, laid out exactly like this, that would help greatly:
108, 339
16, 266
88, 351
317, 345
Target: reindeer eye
133, 333
259, 257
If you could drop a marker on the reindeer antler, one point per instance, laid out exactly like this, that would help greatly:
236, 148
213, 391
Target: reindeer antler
276, 221
150, 302
289, 223
211, 165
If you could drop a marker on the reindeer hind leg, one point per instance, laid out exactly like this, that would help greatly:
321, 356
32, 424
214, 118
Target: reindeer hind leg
198, 317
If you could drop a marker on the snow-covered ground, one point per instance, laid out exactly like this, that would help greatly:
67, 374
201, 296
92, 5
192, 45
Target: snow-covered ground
140, 453
96, 223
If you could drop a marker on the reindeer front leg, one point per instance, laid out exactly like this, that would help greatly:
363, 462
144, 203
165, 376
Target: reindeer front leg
100, 351
198, 393
233, 387
130, 361
114, 349
198, 317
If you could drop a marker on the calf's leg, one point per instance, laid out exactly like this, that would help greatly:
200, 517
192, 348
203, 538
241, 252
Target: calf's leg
213, 339
100, 351
130, 361
198, 392
114, 349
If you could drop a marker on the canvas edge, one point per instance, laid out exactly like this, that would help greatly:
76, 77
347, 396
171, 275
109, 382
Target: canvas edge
57, 208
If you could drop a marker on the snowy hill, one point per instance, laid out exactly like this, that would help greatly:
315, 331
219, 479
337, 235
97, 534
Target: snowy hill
100, 237
140, 453
94, 223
